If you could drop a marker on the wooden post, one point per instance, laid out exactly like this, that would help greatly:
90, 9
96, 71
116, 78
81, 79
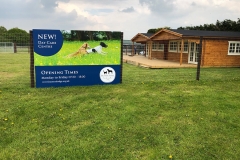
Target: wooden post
150, 50
182, 47
121, 56
31, 61
145, 49
126, 46
133, 49
199, 59
15, 47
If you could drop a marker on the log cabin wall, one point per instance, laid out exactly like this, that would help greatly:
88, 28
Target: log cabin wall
173, 56
158, 54
215, 53
161, 54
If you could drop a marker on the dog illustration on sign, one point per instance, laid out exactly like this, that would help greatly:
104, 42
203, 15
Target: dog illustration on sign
85, 49
81, 51
108, 71
98, 49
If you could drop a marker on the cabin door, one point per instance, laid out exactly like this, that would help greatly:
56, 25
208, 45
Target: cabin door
193, 53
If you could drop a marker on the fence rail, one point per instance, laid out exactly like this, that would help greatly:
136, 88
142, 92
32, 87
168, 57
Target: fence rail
23, 49
14, 42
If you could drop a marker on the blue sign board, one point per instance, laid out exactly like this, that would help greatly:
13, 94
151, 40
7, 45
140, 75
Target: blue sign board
61, 58
47, 42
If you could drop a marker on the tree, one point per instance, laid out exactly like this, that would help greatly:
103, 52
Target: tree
17, 31
109, 35
238, 24
116, 35
90, 35
155, 30
66, 35
3, 36
100, 35
225, 25
77, 35
3, 29
18, 36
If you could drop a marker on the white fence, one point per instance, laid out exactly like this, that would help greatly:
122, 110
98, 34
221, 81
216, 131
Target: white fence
7, 47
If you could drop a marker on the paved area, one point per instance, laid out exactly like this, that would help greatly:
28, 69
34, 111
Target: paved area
154, 63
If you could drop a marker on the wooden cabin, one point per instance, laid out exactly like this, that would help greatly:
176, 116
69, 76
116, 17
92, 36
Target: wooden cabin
219, 48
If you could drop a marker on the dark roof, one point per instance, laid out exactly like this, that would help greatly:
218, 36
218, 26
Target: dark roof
147, 34
207, 33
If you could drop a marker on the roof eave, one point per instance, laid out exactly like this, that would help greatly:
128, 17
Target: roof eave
139, 34
168, 31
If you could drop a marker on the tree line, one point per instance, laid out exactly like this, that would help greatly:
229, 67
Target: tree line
21, 37
15, 35
77, 35
225, 25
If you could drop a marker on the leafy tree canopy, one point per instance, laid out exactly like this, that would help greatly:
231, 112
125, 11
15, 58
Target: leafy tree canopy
17, 31
225, 25
155, 30
16, 35
78, 35
3, 29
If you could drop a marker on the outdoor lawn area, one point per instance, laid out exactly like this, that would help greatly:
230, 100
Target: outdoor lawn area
154, 114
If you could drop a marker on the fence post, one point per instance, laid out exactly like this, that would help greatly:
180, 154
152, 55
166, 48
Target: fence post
121, 61
199, 59
15, 47
31, 61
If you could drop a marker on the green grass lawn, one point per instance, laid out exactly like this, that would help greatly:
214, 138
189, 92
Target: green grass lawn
153, 114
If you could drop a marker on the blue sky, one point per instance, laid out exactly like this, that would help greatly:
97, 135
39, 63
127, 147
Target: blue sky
128, 16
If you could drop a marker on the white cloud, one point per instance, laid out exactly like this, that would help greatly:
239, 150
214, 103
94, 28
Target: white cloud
129, 16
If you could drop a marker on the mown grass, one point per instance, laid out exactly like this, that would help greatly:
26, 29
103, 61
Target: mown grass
112, 57
153, 114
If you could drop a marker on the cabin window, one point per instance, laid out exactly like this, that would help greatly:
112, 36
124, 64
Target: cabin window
173, 46
234, 48
161, 47
157, 47
154, 46
185, 47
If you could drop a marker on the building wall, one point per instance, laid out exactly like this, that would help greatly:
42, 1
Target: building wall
158, 54
171, 56
215, 53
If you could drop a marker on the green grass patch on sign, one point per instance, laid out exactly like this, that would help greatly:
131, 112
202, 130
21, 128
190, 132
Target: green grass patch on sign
61, 58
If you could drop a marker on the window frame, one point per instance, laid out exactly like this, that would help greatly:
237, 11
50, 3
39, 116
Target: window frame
236, 48
185, 46
157, 46
175, 43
